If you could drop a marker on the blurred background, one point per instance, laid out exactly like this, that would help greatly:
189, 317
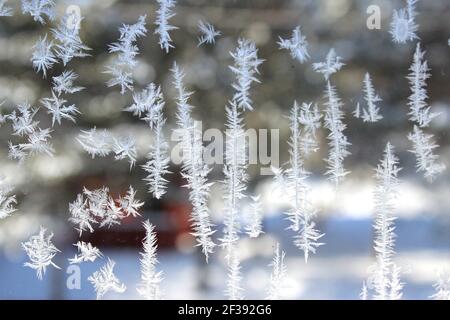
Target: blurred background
45, 186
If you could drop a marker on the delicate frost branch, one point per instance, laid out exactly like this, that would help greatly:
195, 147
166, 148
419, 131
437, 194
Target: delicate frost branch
426, 161
69, 42
384, 275
235, 176
5, 11
297, 190
442, 286
209, 33
364, 292
57, 108
38, 9
64, 83
126, 49
96, 143
80, 215
309, 118
86, 252
163, 14
297, 45
419, 110
337, 140
130, 205
254, 228
7, 201
158, 164
357, 112
278, 275
403, 25
104, 280
234, 290
150, 278
43, 57
245, 68
372, 113
148, 102
40, 251
125, 147
331, 65
194, 170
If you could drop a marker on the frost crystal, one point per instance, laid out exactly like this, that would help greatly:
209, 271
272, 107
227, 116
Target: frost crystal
86, 252
148, 103
7, 201
234, 290
127, 50
208, 32
67, 35
125, 147
297, 45
419, 110
309, 117
254, 228
194, 170
403, 25
80, 215
337, 140
245, 68
104, 280
331, 65
64, 83
278, 275
372, 113
38, 9
163, 14
158, 164
426, 161
150, 278
442, 286
385, 274
293, 181
57, 108
40, 251
5, 11
129, 205
96, 143
43, 57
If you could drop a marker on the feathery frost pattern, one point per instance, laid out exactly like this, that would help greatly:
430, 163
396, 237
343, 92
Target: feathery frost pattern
419, 73
69, 44
293, 181
234, 290
126, 49
39, 9
309, 117
158, 164
86, 252
403, 25
331, 65
104, 280
97, 206
150, 278
442, 286
254, 227
426, 161
41, 251
147, 104
194, 170
7, 201
384, 277
64, 83
297, 45
163, 27
278, 275
245, 68
235, 176
43, 57
337, 141
208, 33
372, 113
57, 108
